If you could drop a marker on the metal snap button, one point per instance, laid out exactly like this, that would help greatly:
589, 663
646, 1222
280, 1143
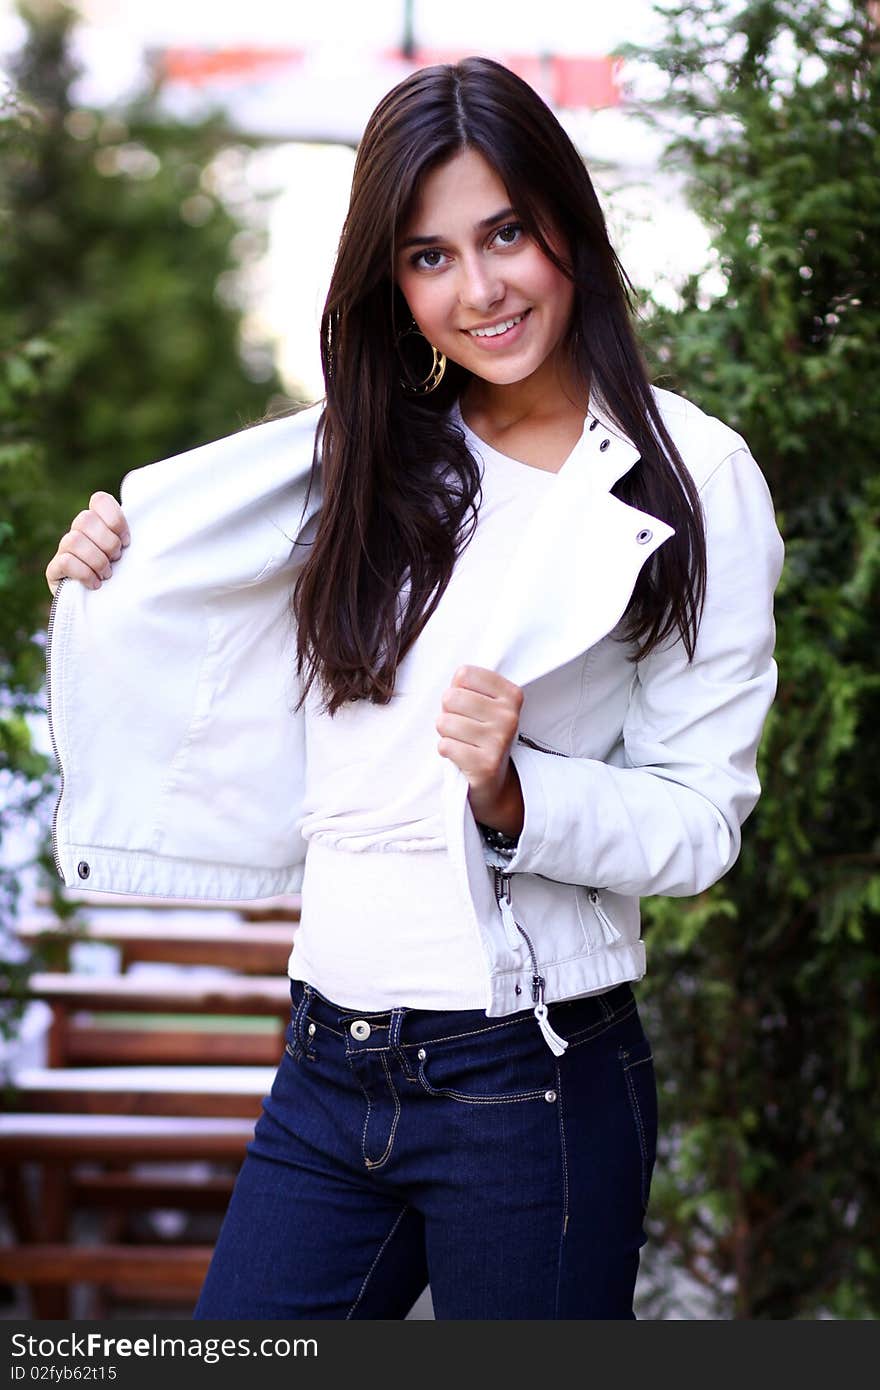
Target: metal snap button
360, 1029
644, 536
550, 1095
311, 1030
421, 1054
83, 869
604, 445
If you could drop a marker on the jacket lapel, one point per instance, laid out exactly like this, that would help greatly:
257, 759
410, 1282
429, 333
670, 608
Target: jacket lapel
576, 563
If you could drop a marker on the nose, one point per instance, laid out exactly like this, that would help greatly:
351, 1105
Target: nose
481, 287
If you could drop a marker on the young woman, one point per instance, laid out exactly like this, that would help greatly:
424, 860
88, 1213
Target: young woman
475, 652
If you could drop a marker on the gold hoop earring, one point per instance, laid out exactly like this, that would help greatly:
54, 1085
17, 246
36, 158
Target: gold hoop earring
438, 365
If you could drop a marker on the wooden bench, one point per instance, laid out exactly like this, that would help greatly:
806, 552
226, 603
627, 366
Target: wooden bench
162, 1272
266, 996
93, 1040
261, 949
285, 908
169, 1114
220, 1092
189, 1018
135, 1138
55, 1144
121, 1190
179, 1065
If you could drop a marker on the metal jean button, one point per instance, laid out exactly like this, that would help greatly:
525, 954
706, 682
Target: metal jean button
360, 1029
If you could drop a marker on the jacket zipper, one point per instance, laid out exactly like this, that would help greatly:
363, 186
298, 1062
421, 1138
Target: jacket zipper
556, 1044
51, 625
541, 747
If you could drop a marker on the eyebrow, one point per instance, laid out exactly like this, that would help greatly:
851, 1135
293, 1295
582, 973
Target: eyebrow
480, 226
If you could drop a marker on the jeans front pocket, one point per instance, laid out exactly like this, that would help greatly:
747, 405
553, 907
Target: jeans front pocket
637, 1064
495, 1066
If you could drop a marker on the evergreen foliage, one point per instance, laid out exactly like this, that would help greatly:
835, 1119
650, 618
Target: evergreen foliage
762, 993
118, 244
121, 341
28, 535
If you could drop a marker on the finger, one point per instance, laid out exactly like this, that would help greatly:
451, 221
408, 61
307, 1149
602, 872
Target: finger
462, 754
68, 566
497, 710
477, 734
460, 700
78, 545
111, 513
458, 730
470, 760
476, 678
91, 525
486, 682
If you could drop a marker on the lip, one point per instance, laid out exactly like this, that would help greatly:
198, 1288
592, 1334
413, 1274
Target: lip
500, 339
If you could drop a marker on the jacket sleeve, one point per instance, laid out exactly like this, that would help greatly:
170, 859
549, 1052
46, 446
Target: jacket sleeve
667, 820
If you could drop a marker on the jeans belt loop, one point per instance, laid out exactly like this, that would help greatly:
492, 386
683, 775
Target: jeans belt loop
394, 1030
303, 1041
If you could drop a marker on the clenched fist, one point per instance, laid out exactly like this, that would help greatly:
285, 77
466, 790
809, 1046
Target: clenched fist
478, 723
96, 539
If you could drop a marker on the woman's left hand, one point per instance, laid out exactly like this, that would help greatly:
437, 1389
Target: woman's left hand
478, 723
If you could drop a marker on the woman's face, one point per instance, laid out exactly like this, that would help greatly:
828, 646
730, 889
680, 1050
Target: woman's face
465, 263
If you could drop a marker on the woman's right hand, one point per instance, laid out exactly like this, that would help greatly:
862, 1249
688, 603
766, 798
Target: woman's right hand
96, 538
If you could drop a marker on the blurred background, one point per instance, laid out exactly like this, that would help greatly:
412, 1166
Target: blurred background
173, 180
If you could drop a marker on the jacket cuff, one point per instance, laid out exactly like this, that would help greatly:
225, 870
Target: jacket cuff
528, 763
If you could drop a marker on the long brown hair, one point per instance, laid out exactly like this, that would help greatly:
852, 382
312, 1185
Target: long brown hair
392, 523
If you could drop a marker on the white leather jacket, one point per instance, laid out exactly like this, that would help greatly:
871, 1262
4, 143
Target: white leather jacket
171, 691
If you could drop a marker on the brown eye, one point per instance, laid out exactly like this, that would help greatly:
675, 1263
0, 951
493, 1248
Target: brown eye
510, 227
415, 260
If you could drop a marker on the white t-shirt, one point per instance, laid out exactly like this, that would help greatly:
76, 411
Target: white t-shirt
381, 922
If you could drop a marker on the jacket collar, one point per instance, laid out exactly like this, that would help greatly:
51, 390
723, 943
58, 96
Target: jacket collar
574, 568
603, 446
608, 465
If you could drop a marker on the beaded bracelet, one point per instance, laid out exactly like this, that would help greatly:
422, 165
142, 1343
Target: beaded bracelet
497, 840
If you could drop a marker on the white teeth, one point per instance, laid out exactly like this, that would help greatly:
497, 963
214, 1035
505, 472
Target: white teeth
495, 329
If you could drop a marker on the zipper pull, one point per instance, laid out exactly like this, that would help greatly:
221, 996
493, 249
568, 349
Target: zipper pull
502, 893
556, 1044
609, 931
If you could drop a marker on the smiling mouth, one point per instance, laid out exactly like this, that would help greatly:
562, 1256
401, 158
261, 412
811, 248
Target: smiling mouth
499, 329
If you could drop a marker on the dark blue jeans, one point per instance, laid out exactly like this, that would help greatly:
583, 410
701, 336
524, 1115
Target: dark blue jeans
416, 1146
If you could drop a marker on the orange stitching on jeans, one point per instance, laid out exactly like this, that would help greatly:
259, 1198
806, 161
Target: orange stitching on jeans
383, 1157
377, 1162
450, 1094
